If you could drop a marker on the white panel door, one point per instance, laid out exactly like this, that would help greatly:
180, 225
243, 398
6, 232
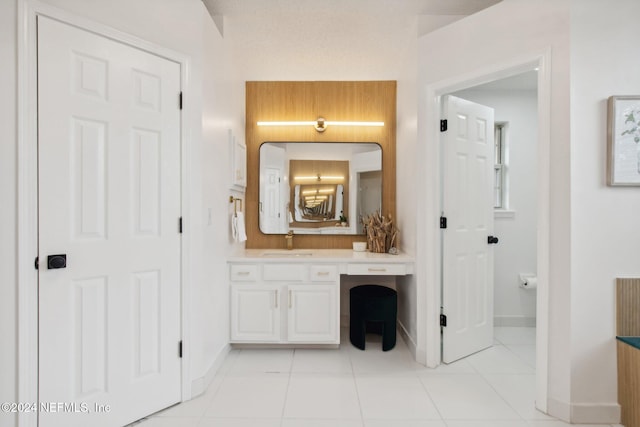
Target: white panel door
467, 289
271, 209
109, 199
313, 313
255, 313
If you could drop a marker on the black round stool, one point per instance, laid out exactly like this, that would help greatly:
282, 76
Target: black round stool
373, 309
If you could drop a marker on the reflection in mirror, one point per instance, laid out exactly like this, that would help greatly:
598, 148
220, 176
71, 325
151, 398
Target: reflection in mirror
318, 188
319, 202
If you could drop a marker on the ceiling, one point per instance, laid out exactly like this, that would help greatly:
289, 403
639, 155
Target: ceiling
273, 8
331, 39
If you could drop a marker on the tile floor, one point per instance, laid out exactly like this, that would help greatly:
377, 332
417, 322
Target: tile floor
348, 387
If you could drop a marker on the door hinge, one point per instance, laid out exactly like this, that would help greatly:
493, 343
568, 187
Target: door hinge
443, 222
180, 349
443, 320
36, 263
180, 100
180, 225
443, 125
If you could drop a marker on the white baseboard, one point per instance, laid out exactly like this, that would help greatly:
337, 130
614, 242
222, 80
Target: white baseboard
200, 385
559, 410
595, 413
585, 413
514, 321
411, 344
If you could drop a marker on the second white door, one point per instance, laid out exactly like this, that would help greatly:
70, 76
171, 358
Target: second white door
467, 203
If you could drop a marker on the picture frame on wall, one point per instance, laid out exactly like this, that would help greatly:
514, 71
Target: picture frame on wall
623, 141
238, 163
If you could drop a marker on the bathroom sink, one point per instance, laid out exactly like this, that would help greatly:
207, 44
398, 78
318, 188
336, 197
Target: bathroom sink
286, 254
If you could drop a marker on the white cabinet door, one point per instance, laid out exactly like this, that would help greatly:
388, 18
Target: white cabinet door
313, 313
255, 313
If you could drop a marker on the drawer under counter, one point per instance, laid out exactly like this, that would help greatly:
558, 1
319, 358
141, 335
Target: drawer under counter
285, 272
244, 272
376, 269
323, 273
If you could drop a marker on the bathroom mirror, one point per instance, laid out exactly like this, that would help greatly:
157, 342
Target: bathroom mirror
318, 188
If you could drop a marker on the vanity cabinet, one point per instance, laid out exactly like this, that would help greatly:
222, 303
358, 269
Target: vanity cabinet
285, 303
255, 312
292, 297
313, 313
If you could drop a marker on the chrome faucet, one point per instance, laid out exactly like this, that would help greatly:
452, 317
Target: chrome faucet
289, 239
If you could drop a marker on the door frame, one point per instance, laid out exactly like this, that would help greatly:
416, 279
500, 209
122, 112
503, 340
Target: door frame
431, 156
27, 245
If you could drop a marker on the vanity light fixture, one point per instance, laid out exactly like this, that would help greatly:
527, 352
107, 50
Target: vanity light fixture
320, 124
318, 178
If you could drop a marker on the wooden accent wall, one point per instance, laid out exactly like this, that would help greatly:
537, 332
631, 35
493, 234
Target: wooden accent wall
628, 325
306, 101
629, 383
628, 307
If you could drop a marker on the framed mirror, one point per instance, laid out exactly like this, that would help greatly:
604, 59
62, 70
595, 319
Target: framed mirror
318, 188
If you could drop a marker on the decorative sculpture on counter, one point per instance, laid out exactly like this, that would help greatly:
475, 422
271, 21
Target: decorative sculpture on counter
382, 235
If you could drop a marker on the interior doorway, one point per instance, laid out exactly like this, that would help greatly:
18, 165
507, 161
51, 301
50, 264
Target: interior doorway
433, 267
369, 195
513, 201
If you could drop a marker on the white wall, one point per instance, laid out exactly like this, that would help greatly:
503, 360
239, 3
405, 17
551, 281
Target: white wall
604, 220
8, 194
407, 188
214, 103
222, 110
451, 54
593, 233
516, 251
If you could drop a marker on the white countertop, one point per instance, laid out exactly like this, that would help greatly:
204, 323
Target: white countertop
317, 255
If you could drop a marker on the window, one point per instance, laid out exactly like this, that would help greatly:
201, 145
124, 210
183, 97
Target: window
500, 200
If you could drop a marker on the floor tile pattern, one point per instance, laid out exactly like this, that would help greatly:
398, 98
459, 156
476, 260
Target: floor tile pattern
347, 387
